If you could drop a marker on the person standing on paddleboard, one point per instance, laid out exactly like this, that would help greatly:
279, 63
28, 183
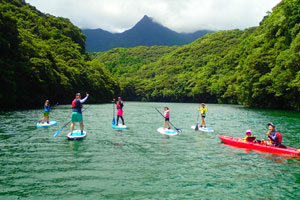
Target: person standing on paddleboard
167, 117
46, 112
203, 111
274, 136
120, 106
76, 111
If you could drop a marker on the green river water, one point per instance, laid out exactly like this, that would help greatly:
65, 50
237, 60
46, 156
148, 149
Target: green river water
140, 163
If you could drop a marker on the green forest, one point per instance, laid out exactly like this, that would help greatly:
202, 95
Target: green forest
43, 57
257, 67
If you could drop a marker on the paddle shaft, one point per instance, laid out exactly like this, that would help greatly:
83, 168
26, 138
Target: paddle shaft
67, 124
196, 127
177, 129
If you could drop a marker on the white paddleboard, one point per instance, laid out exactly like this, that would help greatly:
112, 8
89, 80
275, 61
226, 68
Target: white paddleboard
120, 126
167, 131
209, 130
45, 124
76, 135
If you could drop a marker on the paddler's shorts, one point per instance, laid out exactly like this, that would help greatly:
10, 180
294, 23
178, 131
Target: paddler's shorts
203, 116
167, 119
46, 114
76, 117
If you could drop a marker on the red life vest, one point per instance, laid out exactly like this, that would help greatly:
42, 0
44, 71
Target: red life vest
279, 136
74, 104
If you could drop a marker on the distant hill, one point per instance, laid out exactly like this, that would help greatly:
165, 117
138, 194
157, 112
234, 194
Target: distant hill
257, 67
145, 33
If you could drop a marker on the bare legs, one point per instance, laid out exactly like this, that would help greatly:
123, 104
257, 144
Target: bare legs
166, 123
202, 122
45, 118
72, 126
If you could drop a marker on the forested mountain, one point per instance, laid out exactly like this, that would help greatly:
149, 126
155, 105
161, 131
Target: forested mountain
259, 66
145, 33
43, 57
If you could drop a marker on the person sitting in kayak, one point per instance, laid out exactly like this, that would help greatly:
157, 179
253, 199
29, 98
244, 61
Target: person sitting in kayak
46, 111
76, 111
249, 137
167, 117
203, 111
274, 136
120, 106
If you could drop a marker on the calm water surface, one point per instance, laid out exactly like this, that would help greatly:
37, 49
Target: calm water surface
140, 163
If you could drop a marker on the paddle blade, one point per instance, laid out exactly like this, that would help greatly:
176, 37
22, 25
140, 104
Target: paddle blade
196, 127
179, 130
113, 121
57, 132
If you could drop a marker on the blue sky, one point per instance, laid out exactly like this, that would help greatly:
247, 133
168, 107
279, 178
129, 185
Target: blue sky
178, 15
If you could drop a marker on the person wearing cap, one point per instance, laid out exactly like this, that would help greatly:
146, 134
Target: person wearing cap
46, 111
76, 111
120, 106
249, 137
274, 136
203, 110
167, 117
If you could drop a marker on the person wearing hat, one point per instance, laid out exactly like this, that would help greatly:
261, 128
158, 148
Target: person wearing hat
249, 137
46, 111
120, 106
274, 136
76, 111
167, 117
203, 111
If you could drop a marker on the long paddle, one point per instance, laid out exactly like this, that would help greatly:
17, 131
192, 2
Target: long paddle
113, 120
197, 128
177, 129
67, 124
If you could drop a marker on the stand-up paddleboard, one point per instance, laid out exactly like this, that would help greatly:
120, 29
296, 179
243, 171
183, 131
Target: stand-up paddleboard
76, 135
120, 126
45, 124
167, 131
203, 129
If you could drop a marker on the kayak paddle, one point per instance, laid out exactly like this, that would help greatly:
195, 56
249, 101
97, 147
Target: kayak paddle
67, 124
177, 129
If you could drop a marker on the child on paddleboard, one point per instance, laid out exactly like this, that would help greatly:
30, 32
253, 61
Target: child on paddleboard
46, 112
203, 111
167, 117
120, 106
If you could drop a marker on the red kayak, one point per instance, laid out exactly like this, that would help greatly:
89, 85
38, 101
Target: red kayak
239, 142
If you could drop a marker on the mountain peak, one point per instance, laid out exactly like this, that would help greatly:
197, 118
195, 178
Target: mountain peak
146, 20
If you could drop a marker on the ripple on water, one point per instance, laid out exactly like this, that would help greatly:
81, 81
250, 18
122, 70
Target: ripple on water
140, 163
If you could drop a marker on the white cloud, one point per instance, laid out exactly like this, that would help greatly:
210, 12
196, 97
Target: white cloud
178, 15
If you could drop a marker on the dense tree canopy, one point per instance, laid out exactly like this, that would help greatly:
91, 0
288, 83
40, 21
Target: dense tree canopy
257, 67
43, 57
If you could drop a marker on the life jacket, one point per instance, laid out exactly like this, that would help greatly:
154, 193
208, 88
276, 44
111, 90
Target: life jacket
279, 136
167, 114
76, 105
119, 106
47, 108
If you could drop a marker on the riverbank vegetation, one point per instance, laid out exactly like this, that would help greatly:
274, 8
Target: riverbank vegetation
258, 67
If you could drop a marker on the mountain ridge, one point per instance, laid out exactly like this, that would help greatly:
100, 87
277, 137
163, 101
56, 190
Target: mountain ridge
145, 32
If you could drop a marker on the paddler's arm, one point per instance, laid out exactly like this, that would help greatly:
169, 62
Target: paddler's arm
85, 98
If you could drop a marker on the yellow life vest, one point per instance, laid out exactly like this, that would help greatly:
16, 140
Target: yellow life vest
203, 111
